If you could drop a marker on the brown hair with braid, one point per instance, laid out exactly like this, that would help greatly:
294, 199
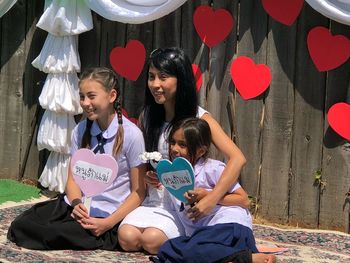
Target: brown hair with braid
108, 79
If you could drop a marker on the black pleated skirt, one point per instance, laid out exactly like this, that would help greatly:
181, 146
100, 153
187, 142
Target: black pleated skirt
50, 226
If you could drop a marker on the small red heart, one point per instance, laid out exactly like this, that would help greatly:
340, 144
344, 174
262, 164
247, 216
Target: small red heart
212, 26
129, 61
250, 80
285, 12
339, 119
198, 76
327, 51
125, 113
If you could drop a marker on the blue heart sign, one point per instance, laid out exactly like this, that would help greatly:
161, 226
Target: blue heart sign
177, 176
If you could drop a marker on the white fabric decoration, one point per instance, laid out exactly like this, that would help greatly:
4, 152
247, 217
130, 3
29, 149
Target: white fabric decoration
65, 17
59, 54
337, 10
55, 132
5, 5
134, 11
55, 172
61, 94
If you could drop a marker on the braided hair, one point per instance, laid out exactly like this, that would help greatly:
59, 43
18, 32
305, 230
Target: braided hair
108, 79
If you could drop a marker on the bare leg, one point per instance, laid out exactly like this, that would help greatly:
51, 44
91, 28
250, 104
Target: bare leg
152, 238
129, 238
263, 258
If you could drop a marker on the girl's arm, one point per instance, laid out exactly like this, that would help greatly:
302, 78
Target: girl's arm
100, 225
235, 162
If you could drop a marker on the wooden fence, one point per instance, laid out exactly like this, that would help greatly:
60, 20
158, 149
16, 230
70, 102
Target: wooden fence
283, 133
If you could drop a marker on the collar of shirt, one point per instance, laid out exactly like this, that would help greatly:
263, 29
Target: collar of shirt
110, 132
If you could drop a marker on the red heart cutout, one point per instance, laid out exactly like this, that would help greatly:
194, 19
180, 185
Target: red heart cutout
212, 26
339, 119
327, 51
285, 12
198, 76
250, 80
129, 61
125, 113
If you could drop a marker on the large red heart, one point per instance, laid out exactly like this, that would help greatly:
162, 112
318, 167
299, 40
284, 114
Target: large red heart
212, 26
327, 51
250, 79
339, 119
129, 61
198, 76
285, 12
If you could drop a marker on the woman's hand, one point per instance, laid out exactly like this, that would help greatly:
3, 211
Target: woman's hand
97, 226
194, 196
80, 212
202, 208
152, 179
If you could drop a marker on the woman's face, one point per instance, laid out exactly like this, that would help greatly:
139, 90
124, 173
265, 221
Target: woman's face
162, 86
95, 100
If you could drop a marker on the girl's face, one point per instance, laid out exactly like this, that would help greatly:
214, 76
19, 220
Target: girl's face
162, 86
178, 145
96, 102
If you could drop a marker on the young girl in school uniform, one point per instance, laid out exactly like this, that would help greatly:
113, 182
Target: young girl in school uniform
226, 231
65, 223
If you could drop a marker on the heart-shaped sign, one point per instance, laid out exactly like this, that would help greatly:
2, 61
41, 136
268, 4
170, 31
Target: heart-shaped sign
129, 61
327, 51
285, 12
250, 79
93, 173
198, 76
212, 26
339, 119
176, 177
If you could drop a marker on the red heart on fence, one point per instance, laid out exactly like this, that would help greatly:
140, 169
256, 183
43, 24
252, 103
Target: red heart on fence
129, 61
250, 79
125, 113
285, 12
212, 26
327, 51
198, 76
339, 119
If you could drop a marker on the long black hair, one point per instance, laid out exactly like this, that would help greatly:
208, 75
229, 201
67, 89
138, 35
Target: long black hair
174, 62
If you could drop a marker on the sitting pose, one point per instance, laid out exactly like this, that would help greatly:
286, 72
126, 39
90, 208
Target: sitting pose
65, 223
226, 233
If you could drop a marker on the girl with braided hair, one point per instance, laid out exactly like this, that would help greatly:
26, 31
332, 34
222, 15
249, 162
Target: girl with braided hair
65, 223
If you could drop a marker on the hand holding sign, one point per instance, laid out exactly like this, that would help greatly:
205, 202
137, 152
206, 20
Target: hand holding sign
177, 177
93, 173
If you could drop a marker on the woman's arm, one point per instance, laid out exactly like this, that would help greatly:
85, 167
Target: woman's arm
235, 162
138, 190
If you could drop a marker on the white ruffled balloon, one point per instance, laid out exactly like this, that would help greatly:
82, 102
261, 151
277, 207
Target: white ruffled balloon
58, 55
61, 94
55, 172
55, 132
66, 17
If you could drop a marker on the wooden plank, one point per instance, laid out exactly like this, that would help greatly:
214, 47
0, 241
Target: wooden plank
11, 79
307, 131
249, 113
334, 208
278, 123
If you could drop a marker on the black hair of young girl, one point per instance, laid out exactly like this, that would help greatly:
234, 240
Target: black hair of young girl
197, 135
173, 62
108, 79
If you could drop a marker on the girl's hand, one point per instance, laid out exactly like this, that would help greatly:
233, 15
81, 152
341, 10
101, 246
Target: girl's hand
152, 179
97, 226
201, 209
80, 212
195, 195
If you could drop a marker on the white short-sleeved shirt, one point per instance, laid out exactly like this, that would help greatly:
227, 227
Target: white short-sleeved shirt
104, 204
207, 174
156, 210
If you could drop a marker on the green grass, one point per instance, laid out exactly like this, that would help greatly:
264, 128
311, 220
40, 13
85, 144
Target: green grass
11, 190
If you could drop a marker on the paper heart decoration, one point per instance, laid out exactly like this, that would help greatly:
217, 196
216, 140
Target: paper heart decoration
339, 119
285, 12
93, 173
327, 51
176, 177
198, 76
212, 26
250, 79
129, 61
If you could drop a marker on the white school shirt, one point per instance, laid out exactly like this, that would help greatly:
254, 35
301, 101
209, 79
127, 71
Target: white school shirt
207, 173
104, 204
